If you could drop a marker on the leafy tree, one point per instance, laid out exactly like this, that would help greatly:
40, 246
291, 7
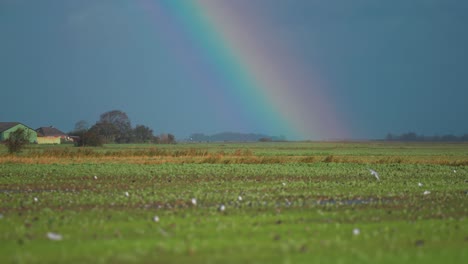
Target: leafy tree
121, 122
157, 140
165, 139
108, 132
171, 139
17, 140
143, 134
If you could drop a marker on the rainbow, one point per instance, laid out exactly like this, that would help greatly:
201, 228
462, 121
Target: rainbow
248, 66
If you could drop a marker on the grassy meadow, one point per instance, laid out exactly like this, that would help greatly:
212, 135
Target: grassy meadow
235, 203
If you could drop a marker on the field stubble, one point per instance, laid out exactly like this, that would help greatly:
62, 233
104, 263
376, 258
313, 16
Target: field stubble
296, 202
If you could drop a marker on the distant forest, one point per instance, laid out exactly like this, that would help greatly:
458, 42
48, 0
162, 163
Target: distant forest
411, 136
115, 127
234, 137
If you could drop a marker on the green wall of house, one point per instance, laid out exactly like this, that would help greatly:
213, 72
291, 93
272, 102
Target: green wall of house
32, 134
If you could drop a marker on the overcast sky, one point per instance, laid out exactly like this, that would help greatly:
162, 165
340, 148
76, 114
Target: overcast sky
390, 66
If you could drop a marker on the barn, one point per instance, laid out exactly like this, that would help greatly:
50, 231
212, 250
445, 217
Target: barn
50, 135
8, 127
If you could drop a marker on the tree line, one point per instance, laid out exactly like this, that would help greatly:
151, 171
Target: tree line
411, 136
115, 127
234, 137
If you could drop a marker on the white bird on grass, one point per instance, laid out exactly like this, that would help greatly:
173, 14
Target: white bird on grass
35, 199
239, 198
420, 184
356, 231
426, 192
127, 194
222, 208
373, 172
54, 236
156, 218
194, 201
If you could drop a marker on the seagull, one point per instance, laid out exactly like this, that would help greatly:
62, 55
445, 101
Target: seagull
95, 177
54, 236
126, 194
239, 198
194, 201
356, 231
420, 184
426, 192
373, 172
284, 184
35, 199
454, 171
156, 218
222, 208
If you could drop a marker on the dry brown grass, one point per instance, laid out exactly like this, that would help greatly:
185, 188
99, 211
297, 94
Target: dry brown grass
146, 157
214, 154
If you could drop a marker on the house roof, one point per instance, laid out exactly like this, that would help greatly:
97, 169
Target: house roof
7, 125
49, 132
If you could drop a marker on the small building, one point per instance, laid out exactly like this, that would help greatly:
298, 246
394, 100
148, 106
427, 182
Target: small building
6, 128
50, 135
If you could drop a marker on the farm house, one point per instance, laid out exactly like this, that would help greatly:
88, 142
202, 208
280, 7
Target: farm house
50, 135
8, 127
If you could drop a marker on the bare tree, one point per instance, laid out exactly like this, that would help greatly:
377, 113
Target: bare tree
81, 126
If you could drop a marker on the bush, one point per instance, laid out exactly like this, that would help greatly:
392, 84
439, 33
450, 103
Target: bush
17, 140
165, 139
89, 139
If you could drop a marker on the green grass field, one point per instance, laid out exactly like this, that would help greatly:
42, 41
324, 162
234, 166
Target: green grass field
283, 203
